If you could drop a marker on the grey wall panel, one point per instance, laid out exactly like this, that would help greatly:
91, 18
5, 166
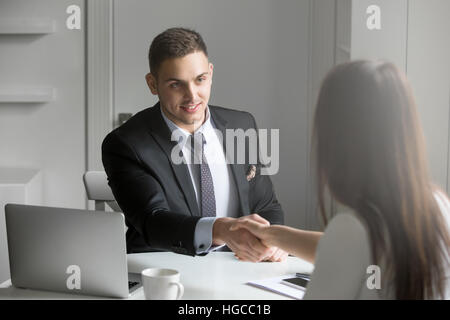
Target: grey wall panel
428, 70
387, 43
100, 113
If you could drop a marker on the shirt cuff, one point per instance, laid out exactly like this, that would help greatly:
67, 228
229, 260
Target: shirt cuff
203, 235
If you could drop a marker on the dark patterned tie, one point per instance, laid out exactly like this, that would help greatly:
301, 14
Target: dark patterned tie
208, 198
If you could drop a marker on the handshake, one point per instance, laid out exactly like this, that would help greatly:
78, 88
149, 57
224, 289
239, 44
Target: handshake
248, 237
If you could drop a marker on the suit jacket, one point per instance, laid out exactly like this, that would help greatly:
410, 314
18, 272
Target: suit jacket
157, 196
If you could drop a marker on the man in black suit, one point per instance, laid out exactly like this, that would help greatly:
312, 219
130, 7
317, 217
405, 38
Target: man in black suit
187, 206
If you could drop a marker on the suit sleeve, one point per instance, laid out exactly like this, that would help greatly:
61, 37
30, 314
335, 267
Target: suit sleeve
142, 200
262, 198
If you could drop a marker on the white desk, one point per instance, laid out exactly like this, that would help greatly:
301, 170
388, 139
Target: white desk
216, 276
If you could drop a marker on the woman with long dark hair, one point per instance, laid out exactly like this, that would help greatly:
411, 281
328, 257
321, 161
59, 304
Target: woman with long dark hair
370, 156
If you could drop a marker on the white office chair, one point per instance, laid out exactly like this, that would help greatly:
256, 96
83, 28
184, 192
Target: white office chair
97, 189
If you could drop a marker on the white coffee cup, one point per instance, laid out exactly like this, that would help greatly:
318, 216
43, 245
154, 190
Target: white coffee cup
162, 284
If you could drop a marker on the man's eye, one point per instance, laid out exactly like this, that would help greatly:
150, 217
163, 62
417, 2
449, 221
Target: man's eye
174, 85
201, 79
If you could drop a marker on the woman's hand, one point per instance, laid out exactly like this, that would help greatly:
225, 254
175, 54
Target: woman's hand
243, 243
258, 229
261, 229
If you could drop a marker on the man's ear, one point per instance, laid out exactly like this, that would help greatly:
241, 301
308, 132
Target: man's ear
151, 82
211, 68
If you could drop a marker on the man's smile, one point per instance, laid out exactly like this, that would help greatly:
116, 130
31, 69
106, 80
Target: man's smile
191, 108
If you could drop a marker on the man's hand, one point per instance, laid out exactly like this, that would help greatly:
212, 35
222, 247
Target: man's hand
261, 230
243, 243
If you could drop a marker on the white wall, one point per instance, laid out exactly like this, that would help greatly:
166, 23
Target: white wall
428, 69
414, 36
290, 111
259, 49
388, 43
47, 136
239, 39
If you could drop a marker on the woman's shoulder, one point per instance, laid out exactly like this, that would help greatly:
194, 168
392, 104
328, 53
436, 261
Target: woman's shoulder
345, 233
347, 221
342, 258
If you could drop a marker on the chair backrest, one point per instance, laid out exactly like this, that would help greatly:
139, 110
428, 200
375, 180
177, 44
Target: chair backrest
97, 189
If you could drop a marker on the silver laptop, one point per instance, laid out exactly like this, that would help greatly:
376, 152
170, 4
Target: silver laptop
68, 250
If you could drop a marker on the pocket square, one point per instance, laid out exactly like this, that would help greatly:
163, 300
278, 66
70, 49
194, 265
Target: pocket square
251, 172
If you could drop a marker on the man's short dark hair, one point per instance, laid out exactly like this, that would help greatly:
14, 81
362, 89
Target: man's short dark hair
174, 43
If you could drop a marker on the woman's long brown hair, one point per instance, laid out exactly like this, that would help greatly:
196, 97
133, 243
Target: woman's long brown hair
370, 154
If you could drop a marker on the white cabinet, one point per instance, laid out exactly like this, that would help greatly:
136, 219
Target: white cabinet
21, 26
17, 185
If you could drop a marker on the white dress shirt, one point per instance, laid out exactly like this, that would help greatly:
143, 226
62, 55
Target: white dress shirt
225, 192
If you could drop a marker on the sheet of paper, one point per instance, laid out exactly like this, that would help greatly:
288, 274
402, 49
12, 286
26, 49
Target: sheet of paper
275, 285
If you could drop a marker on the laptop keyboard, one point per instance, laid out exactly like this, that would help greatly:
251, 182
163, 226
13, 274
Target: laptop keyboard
131, 284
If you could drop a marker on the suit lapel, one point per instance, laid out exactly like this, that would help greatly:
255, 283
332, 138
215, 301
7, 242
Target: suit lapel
237, 169
162, 135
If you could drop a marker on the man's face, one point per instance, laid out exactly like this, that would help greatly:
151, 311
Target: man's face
183, 87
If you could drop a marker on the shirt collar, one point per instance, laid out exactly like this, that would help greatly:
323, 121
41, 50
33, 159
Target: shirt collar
207, 128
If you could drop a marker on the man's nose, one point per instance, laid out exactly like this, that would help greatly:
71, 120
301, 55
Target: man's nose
190, 93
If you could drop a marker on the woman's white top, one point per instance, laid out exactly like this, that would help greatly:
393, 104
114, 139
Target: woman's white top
344, 267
